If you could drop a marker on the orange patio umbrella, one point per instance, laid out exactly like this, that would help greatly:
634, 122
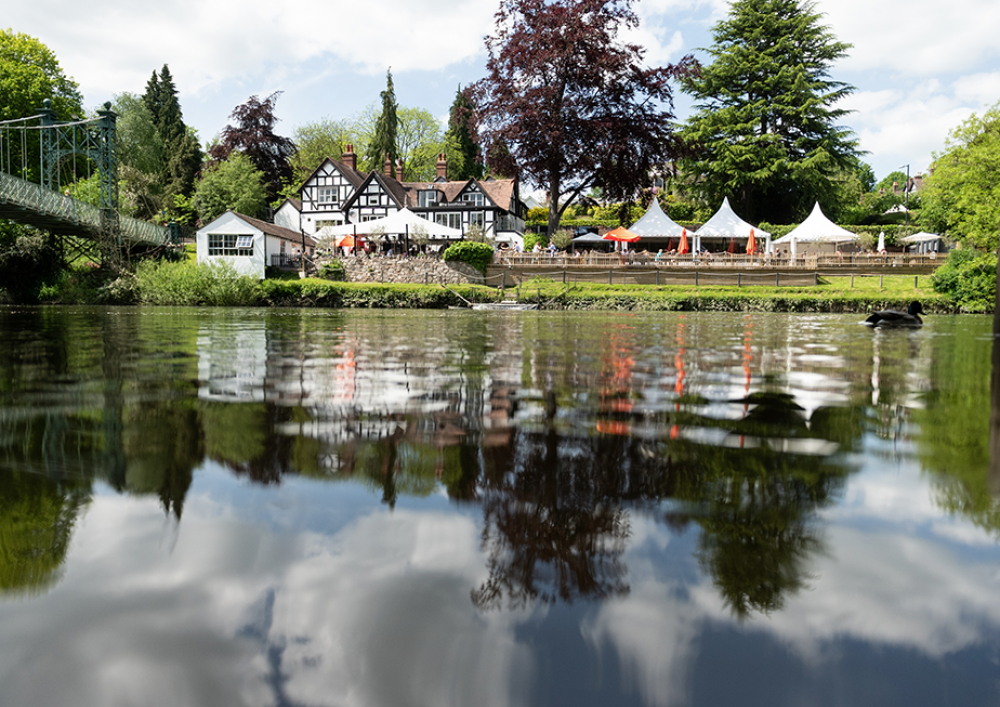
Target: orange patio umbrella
751, 244
346, 241
621, 234
683, 247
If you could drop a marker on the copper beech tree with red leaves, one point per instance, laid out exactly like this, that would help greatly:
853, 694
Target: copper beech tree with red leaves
568, 105
252, 133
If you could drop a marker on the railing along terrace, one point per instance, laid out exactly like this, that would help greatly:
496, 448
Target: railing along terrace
715, 260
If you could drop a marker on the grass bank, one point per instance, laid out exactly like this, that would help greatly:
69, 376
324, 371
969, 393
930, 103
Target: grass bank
186, 283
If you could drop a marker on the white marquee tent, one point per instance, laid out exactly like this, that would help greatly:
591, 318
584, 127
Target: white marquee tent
656, 224
817, 228
725, 224
402, 222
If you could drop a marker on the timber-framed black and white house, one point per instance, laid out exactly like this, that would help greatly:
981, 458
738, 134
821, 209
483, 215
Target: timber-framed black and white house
337, 193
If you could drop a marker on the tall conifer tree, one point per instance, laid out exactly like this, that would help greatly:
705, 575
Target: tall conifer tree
464, 160
183, 154
384, 140
765, 133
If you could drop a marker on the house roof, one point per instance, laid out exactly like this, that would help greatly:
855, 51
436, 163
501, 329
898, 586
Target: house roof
285, 234
353, 176
294, 203
499, 191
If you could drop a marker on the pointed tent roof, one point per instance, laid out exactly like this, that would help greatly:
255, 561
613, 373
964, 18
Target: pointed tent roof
656, 223
726, 224
817, 228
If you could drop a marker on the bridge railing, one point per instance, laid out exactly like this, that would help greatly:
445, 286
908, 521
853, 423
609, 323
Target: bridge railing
24, 194
19, 192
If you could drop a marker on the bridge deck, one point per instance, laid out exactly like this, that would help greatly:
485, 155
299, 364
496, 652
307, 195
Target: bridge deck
36, 206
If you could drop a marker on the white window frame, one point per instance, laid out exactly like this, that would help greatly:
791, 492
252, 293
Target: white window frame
224, 245
452, 219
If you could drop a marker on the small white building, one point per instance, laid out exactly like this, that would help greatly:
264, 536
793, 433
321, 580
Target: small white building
251, 245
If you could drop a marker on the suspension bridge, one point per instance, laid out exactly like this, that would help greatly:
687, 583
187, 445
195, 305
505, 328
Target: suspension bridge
40, 157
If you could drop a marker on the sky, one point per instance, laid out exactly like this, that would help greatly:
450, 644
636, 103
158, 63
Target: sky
919, 67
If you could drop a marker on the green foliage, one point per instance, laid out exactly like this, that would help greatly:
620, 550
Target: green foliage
334, 270
562, 238
765, 132
233, 183
539, 214
968, 278
383, 140
314, 142
28, 261
182, 156
213, 284
29, 74
478, 255
464, 160
962, 195
418, 143
533, 239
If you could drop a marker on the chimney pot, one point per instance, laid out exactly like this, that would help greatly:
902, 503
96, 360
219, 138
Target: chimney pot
442, 166
387, 167
349, 157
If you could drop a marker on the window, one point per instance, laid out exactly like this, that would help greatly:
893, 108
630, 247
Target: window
428, 198
452, 220
473, 199
477, 218
372, 200
327, 195
231, 245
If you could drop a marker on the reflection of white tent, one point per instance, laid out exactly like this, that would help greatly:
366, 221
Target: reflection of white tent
401, 222
923, 242
817, 228
656, 224
726, 224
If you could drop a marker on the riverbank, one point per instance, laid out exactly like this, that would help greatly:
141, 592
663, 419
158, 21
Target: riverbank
172, 284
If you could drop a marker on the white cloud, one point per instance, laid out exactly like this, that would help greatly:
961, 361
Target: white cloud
915, 37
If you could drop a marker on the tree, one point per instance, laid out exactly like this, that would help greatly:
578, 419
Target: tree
418, 142
961, 197
29, 74
182, 153
464, 157
568, 106
383, 140
142, 157
252, 133
233, 183
316, 141
765, 131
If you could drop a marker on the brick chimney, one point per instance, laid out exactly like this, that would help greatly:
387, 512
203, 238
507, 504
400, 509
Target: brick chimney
442, 166
387, 168
399, 169
350, 157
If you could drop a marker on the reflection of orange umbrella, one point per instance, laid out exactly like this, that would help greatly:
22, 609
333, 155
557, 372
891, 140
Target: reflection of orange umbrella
611, 427
683, 247
346, 241
621, 234
751, 244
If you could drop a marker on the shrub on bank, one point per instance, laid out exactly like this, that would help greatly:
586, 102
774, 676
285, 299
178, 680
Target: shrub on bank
969, 279
215, 284
478, 255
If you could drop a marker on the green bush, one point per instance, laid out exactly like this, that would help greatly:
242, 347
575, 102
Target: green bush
334, 270
478, 255
214, 284
530, 239
968, 278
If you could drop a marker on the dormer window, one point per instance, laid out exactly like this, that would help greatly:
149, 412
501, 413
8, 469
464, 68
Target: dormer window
427, 198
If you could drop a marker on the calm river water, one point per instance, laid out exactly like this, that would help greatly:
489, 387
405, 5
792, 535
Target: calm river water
384, 509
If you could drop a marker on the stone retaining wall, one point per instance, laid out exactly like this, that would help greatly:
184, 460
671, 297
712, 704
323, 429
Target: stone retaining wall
417, 271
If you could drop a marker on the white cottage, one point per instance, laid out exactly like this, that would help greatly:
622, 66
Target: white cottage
251, 245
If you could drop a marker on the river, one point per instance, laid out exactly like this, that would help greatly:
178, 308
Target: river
385, 508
